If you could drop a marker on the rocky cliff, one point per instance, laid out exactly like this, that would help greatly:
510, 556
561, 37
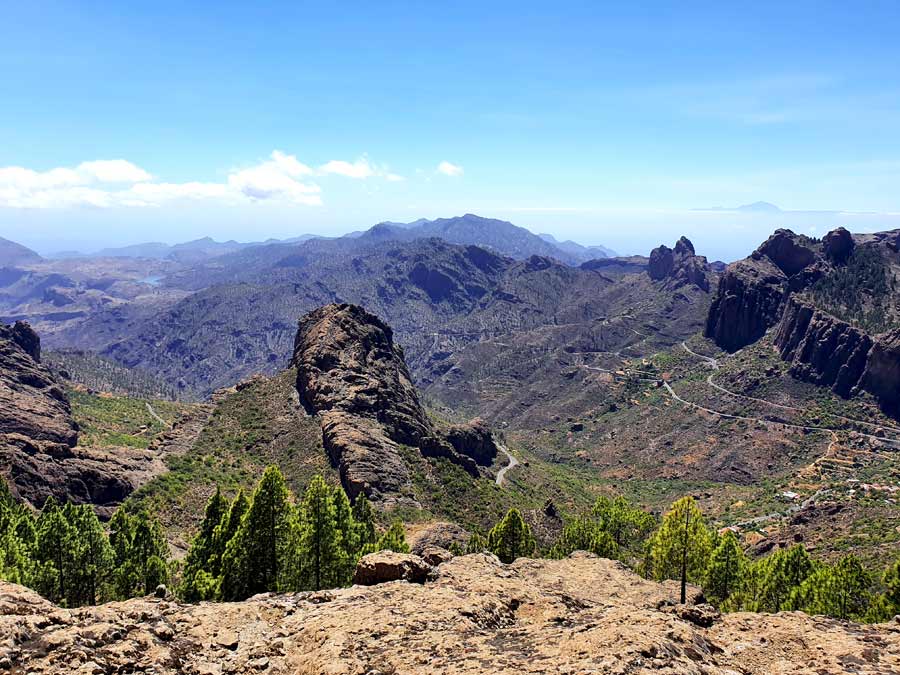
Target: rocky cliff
578, 615
822, 349
751, 293
679, 266
39, 454
352, 376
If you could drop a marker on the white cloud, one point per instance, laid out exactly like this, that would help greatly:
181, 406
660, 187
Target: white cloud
358, 169
449, 169
117, 182
112, 171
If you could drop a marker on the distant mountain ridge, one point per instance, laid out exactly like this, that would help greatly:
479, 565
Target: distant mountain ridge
12, 254
498, 235
469, 229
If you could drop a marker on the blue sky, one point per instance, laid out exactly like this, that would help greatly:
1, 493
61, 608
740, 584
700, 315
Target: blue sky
164, 121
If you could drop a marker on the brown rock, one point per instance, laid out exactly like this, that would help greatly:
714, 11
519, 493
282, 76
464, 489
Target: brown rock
578, 615
435, 555
838, 245
385, 566
353, 377
441, 535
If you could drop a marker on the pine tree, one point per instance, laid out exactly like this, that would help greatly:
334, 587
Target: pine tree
226, 530
511, 538
393, 539
584, 534
364, 517
782, 572
626, 524
477, 544
54, 550
93, 556
259, 555
149, 552
320, 544
203, 550
350, 534
726, 568
680, 547
842, 591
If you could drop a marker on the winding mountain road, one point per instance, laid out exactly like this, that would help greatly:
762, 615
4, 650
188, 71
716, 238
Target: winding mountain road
512, 462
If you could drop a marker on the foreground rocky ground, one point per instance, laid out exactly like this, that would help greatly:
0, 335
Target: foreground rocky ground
579, 615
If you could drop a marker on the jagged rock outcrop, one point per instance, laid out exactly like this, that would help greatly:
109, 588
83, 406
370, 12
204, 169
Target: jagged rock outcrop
32, 404
353, 377
475, 440
751, 293
679, 266
578, 615
822, 350
838, 245
881, 377
39, 454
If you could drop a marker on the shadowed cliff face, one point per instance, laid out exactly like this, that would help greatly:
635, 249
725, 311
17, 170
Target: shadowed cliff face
797, 286
353, 377
32, 404
751, 293
679, 266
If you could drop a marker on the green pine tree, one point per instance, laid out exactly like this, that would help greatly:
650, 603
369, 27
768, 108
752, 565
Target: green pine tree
626, 524
782, 573
93, 557
148, 553
842, 591
584, 534
393, 539
511, 538
726, 568
350, 535
321, 550
364, 517
259, 558
226, 530
477, 544
54, 550
679, 549
203, 551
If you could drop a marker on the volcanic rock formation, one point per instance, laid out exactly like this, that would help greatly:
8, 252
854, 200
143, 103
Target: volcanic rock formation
578, 615
353, 377
750, 295
678, 266
39, 455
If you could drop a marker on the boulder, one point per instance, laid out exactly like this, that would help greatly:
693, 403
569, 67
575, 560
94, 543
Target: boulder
703, 615
385, 566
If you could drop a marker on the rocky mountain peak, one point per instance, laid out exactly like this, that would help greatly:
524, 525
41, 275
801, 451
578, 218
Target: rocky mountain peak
838, 245
678, 266
788, 251
352, 376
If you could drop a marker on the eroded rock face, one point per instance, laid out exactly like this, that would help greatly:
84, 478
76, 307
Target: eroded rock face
578, 615
474, 440
881, 377
353, 377
747, 303
838, 245
679, 266
752, 292
822, 349
385, 566
32, 404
